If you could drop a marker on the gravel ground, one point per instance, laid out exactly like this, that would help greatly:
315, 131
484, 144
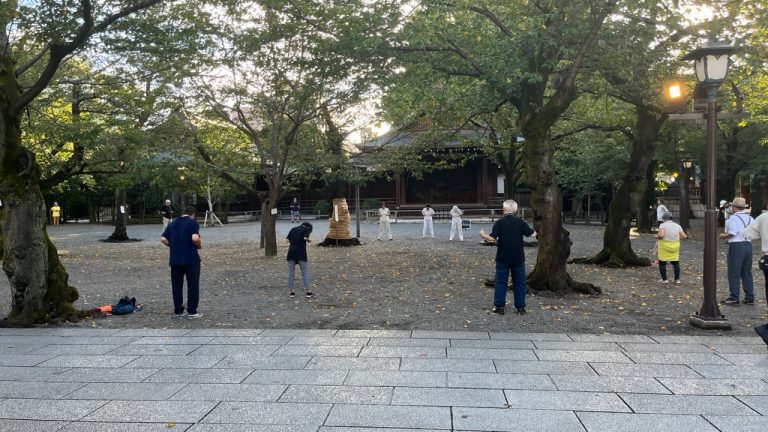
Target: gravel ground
408, 283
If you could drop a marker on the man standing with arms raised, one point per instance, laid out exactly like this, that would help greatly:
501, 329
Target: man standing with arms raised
183, 238
508, 233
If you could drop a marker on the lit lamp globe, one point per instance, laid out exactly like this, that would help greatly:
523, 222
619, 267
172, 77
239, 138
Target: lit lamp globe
711, 62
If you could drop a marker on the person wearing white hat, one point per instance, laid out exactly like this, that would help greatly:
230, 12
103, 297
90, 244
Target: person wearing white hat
167, 212
456, 223
739, 254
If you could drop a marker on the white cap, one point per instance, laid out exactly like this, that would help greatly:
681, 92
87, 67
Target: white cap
167, 201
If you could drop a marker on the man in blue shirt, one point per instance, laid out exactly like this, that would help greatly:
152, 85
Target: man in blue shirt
508, 233
183, 238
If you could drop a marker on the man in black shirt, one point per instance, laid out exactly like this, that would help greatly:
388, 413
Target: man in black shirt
508, 233
298, 237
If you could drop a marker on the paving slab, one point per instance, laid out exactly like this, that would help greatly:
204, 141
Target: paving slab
500, 381
230, 427
739, 349
645, 370
123, 427
319, 350
250, 340
81, 331
231, 392
530, 336
609, 384
335, 340
382, 416
101, 361
354, 363
346, 429
668, 348
619, 422
24, 359
46, 409
152, 411
492, 354
31, 426
757, 403
577, 346
75, 349
402, 342
686, 404
544, 367
25, 373
747, 359
711, 386
617, 338
153, 332
173, 340
677, 358
432, 334
447, 365
374, 333
15, 348
36, 390
503, 420
453, 397
707, 340
739, 424
565, 401
299, 332
256, 414
396, 378
492, 344
723, 371
200, 376
235, 350
35, 331
337, 394
145, 391
225, 332
582, 356
236, 361
174, 361
315, 377
103, 375
143, 350
403, 351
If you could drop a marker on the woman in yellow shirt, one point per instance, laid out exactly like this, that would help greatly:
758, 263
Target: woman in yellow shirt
55, 213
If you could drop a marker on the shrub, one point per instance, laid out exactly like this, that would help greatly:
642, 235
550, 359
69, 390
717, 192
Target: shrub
322, 208
370, 204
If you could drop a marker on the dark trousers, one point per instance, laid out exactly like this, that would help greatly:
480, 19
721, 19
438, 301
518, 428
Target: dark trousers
192, 273
740, 269
518, 284
675, 267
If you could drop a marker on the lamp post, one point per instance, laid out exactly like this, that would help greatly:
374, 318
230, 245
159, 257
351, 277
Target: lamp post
711, 64
685, 199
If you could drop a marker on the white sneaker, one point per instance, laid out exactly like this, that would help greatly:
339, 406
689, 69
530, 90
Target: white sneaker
195, 315
678, 281
664, 281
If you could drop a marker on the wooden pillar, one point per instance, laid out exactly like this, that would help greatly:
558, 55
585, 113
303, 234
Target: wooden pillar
484, 194
398, 195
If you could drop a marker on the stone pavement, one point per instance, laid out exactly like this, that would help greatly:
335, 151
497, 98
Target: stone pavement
81, 379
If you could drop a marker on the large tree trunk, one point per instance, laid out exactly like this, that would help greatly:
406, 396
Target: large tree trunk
40, 290
268, 232
645, 209
120, 233
617, 248
549, 273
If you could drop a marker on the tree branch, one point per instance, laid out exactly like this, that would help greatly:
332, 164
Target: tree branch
23, 68
59, 51
627, 132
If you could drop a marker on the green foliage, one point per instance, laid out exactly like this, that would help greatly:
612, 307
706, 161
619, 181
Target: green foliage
370, 204
322, 208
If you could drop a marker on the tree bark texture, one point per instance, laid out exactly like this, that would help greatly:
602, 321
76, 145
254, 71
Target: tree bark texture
645, 214
268, 232
40, 290
549, 273
617, 248
120, 234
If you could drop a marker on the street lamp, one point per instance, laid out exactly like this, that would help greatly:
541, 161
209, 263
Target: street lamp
685, 198
711, 63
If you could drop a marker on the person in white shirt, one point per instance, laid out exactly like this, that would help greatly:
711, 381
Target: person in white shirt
669, 237
428, 212
456, 223
384, 222
661, 210
739, 254
759, 229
